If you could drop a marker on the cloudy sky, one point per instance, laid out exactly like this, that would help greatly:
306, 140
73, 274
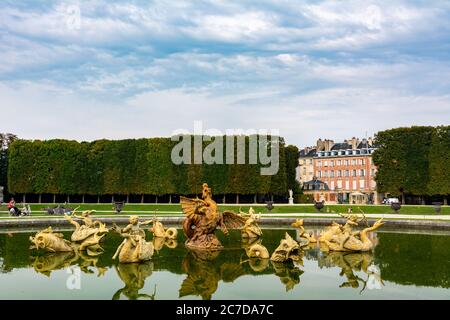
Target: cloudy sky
125, 69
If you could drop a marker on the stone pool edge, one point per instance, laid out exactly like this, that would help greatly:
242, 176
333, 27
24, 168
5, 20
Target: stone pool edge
410, 224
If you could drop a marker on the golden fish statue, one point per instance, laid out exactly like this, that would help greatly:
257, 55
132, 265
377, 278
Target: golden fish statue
288, 249
50, 241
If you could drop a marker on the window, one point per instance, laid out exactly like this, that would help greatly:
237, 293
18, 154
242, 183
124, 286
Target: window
325, 173
347, 173
310, 161
339, 173
353, 173
331, 163
372, 172
363, 162
354, 185
353, 162
325, 163
346, 162
361, 184
332, 185
339, 184
347, 185
362, 172
319, 163
339, 162
332, 174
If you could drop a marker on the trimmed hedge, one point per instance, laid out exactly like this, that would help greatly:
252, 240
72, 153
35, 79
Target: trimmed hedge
141, 166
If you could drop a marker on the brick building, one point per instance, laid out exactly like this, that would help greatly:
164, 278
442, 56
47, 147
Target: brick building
342, 172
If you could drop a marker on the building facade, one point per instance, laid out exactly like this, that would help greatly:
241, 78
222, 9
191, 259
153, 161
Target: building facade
347, 171
305, 169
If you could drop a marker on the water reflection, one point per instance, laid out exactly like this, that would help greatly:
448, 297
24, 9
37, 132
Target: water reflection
288, 273
202, 272
134, 276
351, 262
45, 264
158, 243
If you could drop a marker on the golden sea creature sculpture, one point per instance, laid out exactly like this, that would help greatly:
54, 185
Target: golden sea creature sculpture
89, 234
159, 231
50, 241
258, 255
134, 248
203, 218
251, 228
288, 249
305, 237
353, 241
258, 251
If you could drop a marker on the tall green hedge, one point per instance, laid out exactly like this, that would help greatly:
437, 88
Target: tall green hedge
413, 160
141, 166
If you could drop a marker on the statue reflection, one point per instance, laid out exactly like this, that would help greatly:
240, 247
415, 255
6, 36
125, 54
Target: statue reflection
204, 273
134, 276
158, 243
288, 272
49, 262
351, 263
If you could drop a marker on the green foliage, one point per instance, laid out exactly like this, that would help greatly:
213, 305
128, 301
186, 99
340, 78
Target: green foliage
413, 160
439, 158
142, 166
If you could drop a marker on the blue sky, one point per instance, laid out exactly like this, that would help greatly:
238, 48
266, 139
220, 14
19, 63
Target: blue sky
126, 69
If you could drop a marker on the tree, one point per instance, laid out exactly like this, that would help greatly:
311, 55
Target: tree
5, 140
439, 162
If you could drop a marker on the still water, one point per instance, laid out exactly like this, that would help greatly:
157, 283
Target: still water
404, 265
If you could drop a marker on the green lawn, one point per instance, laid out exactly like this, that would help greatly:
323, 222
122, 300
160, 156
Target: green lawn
176, 208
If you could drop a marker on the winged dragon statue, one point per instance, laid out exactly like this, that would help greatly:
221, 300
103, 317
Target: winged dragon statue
203, 218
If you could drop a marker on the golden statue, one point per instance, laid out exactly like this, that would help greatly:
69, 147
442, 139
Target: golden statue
258, 255
288, 249
305, 237
50, 241
88, 235
258, 251
343, 238
203, 218
134, 276
251, 228
159, 231
134, 248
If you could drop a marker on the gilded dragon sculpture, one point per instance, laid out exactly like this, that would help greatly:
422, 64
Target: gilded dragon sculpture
203, 218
